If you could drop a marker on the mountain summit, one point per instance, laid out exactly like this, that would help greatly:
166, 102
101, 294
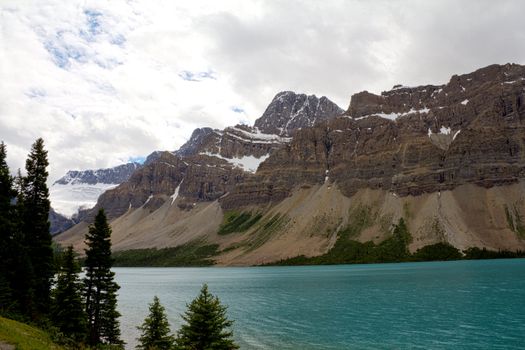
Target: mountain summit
289, 112
447, 159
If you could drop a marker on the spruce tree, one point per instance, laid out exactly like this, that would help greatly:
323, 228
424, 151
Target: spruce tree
67, 311
155, 329
35, 225
206, 325
100, 287
6, 233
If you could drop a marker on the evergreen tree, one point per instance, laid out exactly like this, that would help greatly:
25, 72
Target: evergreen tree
100, 288
155, 329
206, 325
67, 311
35, 225
6, 232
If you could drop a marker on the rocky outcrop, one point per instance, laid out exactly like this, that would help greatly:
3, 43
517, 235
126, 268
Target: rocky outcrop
289, 112
196, 178
407, 141
213, 162
448, 158
194, 145
59, 223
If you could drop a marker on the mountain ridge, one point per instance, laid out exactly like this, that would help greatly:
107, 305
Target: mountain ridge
429, 146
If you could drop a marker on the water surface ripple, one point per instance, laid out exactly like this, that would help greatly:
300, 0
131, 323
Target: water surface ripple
435, 305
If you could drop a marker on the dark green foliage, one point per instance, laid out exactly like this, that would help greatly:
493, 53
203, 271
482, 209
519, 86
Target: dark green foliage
475, 253
34, 204
438, 251
100, 288
190, 254
238, 222
395, 248
156, 329
206, 325
7, 230
348, 251
67, 310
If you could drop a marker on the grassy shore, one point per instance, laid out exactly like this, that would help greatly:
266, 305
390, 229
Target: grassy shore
24, 337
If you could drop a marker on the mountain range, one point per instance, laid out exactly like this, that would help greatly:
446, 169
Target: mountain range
449, 159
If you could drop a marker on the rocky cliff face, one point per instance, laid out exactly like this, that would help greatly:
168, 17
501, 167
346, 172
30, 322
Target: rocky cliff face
407, 141
213, 162
289, 112
59, 223
448, 158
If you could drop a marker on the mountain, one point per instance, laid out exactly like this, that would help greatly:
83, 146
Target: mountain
59, 223
289, 112
81, 189
449, 159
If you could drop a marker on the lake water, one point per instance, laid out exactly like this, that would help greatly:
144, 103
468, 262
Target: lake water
434, 305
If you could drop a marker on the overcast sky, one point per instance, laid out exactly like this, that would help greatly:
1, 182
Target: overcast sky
104, 82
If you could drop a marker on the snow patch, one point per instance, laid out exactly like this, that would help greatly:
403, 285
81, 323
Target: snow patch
247, 163
147, 200
445, 131
68, 199
258, 136
176, 193
394, 116
464, 102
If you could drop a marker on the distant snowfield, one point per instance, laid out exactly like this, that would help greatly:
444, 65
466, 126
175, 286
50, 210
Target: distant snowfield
247, 163
67, 199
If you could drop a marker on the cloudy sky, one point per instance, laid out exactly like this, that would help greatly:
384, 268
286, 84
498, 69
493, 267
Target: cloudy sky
104, 82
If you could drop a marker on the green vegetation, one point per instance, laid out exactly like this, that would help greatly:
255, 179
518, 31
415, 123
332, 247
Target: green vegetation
156, 329
67, 308
35, 205
348, 251
238, 222
25, 243
25, 337
100, 287
393, 249
475, 253
190, 254
438, 251
207, 326
266, 229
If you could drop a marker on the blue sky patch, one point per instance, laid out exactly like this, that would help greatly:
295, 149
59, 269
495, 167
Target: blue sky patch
93, 18
137, 159
237, 109
35, 92
197, 76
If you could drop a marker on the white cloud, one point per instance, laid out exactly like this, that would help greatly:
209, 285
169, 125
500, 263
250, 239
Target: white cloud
103, 81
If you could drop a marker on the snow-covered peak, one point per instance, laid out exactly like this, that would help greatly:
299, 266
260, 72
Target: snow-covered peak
115, 175
81, 189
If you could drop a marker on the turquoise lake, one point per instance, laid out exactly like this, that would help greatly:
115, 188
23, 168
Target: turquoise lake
434, 305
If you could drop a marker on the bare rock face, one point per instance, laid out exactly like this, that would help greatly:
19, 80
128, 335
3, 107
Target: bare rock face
213, 162
289, 112
59, 223
194, 145
408, 141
